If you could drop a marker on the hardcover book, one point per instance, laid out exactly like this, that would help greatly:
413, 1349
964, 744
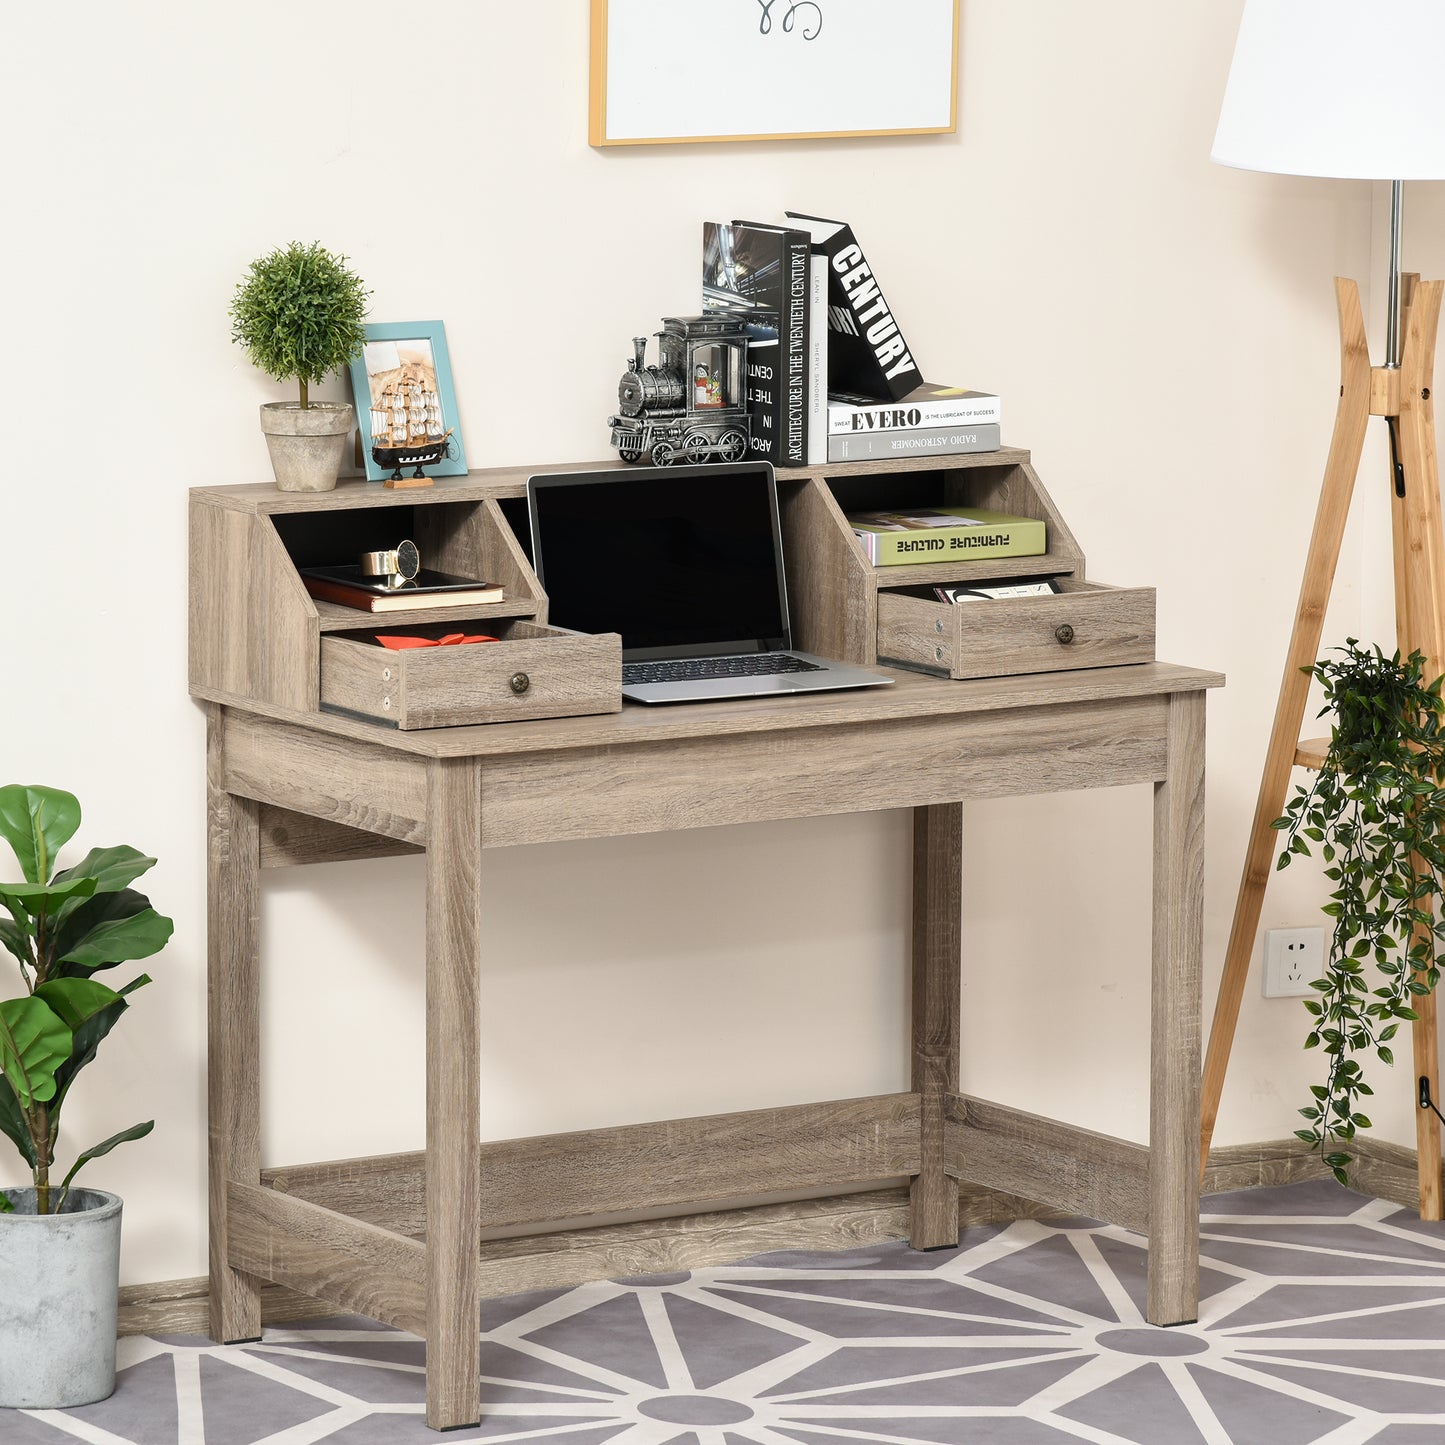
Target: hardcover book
348, 586
866, 350
925, 406
939, 441
762, 272
945, 534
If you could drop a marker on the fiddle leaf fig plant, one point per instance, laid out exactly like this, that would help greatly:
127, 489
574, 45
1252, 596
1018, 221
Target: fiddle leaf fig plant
1376, 811
64, 927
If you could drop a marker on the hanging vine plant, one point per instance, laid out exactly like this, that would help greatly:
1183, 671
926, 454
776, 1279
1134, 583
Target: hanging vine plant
1376, 810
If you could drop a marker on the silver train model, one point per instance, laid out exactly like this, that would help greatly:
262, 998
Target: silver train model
691, 406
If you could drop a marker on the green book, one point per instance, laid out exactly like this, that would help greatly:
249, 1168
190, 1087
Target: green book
945, 534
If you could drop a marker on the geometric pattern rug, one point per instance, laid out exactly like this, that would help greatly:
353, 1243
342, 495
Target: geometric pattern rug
1322, 1322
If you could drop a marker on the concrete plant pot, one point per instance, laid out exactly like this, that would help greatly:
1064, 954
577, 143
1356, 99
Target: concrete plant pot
307, 446
57, 1305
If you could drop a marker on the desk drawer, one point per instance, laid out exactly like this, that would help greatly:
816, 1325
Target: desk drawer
1087, 624
530, 672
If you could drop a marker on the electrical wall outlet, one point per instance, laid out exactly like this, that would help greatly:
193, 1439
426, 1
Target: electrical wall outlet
1293, 959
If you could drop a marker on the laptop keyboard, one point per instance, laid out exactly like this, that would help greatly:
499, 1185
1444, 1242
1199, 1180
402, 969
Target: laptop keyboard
695, 669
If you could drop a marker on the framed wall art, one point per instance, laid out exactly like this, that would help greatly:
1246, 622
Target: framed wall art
404, 367
668, 71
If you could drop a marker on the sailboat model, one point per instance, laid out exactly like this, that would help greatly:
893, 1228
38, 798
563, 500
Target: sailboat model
406, 429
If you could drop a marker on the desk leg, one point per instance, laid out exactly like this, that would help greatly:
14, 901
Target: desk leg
453, 1093
233, 874
1175, 1020
937, 909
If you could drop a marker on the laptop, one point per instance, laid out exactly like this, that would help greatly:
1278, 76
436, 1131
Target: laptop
687, 564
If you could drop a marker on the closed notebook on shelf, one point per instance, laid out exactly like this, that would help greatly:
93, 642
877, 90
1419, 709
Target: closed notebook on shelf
945, 534
350, 587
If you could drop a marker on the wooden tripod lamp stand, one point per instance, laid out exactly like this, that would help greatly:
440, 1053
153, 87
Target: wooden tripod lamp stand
1348, 89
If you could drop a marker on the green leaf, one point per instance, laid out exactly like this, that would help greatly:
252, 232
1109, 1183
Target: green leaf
37, 823
136, 1131
74, 1000
88, 1039
112, 868
13, 939
109, 929
12, 1122
5, 1205
38, 900
34, 1042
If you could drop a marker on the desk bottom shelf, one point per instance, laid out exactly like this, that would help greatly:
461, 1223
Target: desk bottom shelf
353, 1232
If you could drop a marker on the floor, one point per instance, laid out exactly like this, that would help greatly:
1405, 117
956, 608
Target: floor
1322, 1322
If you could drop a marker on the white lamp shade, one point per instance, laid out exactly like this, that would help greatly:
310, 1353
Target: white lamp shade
1351, 88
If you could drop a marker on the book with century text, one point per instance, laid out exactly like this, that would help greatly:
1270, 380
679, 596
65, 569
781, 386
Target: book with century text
945, 534
761, 273
866, 349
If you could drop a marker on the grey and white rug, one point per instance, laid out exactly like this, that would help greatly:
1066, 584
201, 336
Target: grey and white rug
1322, 1322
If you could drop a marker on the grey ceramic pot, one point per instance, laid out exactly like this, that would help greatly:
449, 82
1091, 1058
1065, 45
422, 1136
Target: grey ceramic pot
307, 446
59, 1275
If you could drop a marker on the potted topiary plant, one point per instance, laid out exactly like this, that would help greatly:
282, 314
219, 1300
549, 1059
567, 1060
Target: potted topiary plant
59, 1245
1376, 811
299, 315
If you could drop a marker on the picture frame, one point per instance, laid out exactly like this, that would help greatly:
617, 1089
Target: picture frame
667, 72
393, 348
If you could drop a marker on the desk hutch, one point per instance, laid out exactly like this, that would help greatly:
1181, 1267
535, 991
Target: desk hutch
322, 746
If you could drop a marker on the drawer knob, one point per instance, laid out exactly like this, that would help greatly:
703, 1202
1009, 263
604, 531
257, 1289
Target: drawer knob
1064, 633
520, 682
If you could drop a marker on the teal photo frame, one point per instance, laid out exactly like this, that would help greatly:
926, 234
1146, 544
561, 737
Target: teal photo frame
428, 347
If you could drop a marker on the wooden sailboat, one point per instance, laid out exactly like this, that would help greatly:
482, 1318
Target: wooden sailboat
407, 431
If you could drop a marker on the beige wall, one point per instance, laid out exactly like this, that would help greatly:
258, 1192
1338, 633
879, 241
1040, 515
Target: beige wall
1162, 331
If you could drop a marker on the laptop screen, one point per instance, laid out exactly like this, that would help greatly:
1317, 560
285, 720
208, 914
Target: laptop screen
679, 560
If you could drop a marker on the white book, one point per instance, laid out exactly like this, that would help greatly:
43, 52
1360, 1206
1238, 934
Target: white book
818, 359
924, 408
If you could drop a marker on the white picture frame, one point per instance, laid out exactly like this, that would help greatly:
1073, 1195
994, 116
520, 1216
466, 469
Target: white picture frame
681, 71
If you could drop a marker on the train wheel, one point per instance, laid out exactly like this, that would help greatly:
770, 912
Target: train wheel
663, 455
630, 455
696, 446
732, 446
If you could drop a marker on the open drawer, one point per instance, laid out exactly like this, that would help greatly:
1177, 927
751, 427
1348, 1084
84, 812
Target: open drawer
1087, 624
531, 671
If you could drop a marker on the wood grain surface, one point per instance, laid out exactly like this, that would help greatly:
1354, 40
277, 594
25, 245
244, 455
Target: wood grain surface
911, 696
314, 1251
937, 939
453, 1089
362, 786
889, 763
1175, 1003
568, 674
1001, 637
233, 1031
555, 1177
1078, 1171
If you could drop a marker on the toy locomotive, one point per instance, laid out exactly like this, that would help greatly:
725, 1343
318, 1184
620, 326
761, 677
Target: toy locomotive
691, 405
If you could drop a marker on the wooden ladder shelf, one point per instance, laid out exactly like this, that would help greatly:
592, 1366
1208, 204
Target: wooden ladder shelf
1402, 394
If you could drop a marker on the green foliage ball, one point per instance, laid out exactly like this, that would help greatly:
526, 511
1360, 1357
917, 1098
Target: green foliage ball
299, 313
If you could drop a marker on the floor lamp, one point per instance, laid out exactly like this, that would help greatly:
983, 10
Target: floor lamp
1349, 89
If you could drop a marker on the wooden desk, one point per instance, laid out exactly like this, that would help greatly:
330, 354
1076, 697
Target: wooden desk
397, 1238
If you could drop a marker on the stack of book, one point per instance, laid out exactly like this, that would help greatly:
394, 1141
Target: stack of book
830, 376
347, 586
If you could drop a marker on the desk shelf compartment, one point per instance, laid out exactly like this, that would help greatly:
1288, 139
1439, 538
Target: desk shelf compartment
256, 634
532, 671
1086, 624
835, 591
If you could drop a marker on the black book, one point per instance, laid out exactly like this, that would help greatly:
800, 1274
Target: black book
866, 350
761, 272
